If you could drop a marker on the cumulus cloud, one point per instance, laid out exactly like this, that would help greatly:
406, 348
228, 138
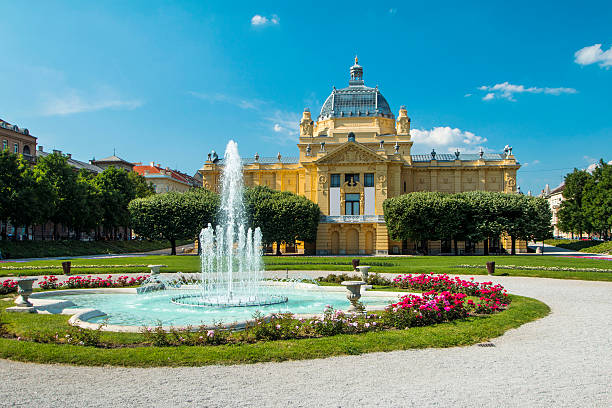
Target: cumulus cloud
506, 90
447, 139
259, 20
392, 11
593, 55
73, 102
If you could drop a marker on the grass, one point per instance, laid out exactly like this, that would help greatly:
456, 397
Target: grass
589, 246
41, 249
392, 264
457, 333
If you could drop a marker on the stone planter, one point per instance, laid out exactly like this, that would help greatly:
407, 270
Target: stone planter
155, 269
491, 268
24, 290
354, 289
364, 272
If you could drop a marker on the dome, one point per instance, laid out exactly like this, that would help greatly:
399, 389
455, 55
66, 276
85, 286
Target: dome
357, 100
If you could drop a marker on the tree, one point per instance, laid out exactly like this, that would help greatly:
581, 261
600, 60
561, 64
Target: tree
173, 215
282, 216
597, 199
572, 217
416, 216
116, 190
140, 185
10, 180
54, 171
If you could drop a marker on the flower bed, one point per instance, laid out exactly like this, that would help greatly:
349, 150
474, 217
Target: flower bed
81, 282
8, 286
79, 266
446, 299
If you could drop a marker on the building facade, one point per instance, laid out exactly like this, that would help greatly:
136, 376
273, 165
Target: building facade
17, 140
165, 179
356, 155
555, 198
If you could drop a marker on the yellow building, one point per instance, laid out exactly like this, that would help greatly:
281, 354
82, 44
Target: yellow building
356, 155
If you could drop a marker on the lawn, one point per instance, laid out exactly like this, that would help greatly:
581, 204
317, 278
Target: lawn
391, 264
456, 333
40, 249
589, 246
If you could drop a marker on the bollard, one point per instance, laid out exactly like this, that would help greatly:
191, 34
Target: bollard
66, 267
491, 268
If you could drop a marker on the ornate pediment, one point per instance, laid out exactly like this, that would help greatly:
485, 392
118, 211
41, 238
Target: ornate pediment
351, 153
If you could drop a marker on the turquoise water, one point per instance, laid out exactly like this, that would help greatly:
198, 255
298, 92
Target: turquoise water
151, 309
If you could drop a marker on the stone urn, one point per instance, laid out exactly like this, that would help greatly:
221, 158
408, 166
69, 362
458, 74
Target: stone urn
24, 290
155, 269
354, 293
364, 272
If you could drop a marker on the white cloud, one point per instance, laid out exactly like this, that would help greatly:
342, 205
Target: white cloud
259, 20
594, 54
73, 101
218, 97
467, 95
392, 11
506, 90
285, 124
447, 139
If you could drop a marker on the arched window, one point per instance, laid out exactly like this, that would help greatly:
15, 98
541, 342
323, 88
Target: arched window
26, 150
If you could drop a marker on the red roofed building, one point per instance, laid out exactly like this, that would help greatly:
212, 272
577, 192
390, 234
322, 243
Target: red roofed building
165, 179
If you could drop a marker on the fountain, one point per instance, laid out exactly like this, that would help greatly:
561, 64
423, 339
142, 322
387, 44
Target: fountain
232, 268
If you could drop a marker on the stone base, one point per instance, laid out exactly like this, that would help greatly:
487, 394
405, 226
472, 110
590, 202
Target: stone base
21, 309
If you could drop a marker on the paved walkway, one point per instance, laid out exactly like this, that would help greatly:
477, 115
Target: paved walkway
563, 360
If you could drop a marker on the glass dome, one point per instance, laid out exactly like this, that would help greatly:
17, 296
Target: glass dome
357, 100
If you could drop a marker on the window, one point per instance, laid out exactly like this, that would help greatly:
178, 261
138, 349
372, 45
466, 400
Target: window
351, 178
335, 180
16, 148
5, 145
368, 180
26, 150
351, 204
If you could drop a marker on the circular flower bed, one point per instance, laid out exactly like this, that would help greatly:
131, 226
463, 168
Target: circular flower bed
444, 299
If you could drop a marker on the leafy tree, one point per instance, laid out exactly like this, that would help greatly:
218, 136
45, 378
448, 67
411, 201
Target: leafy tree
597, 199
140, 186
572, 217
416, 216
54, 171
116, 190
173, 215
10, 180
282, 216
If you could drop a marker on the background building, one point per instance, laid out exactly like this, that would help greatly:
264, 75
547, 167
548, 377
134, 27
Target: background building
165, 179
356, 155
555, 198
17, 140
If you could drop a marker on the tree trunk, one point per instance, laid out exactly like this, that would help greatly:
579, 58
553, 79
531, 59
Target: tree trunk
173, 243
278, 251
456, 250
27, 238
485, 243
54, 231
125, 233
199, 245
513, 250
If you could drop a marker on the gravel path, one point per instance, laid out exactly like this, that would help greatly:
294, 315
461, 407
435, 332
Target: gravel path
563, 360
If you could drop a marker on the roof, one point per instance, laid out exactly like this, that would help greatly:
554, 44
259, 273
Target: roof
462, 157
77, 164
558, 189
357, 100
152, 171
112, 159
4, 124
265, 160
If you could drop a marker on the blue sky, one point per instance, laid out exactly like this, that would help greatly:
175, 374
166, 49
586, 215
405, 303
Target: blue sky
169, 81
